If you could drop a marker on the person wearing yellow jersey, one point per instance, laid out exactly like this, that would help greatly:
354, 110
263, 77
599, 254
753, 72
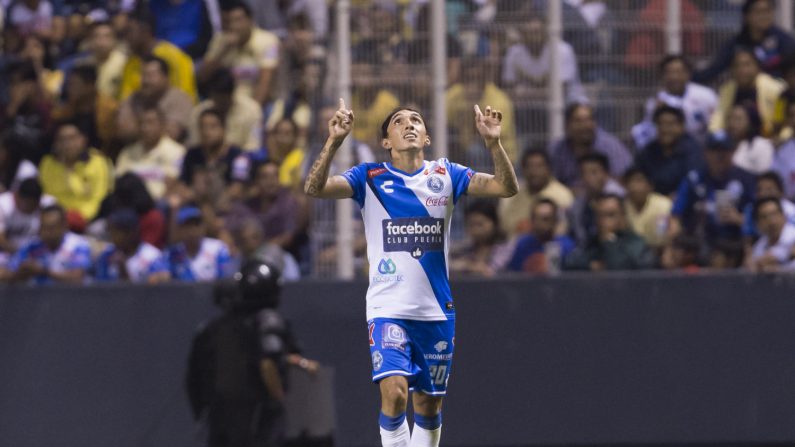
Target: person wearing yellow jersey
77, 176
142, 42
648, 212
284, 150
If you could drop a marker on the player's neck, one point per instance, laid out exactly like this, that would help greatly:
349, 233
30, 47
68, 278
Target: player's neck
408, 161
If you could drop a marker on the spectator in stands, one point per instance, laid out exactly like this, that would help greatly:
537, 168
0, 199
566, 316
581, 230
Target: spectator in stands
155, 90
595, 171
107, 57
251, 53
130, 192
155, 157
228, 168
709, 201
55, 256
727, 254
78, 176
374, 102
696, 101
526, 64
476, 88
671, 154
94, 112
277, 208
614, 246
127, 257
773, 251
752, 152
31, 17
140, 37
242, 115
583, 136
50, 79
683, 255
487, 250
197, 257
185, 23
768, 185
538, 183
251, 241
782, 131
299, 101
750, 87
759, 33
284, 150
647, 211
14, 168
19, 216
541, 250
27, 110
644, 45
784, 161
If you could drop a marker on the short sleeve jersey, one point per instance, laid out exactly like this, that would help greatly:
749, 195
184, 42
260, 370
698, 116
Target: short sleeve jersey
147, 261
212, 262
73, 254
407, 227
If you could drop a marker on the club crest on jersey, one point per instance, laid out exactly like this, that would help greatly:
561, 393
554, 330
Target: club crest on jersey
378, 360
435, 184
375, 172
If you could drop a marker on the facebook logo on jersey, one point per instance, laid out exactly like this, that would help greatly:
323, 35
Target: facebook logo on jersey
414, 235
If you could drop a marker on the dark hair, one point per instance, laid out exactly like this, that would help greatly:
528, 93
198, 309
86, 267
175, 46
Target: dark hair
24, 70
568, 113
732, 249
213, 112
487, 208
545, 201
535, 152
773, 177
611, 196
289, 120
161, 63
30, 188
55, 208
674, 58
261, 164
69, 122
633, 171
759, 203
231, 5
143, 16
149, 107
15, 146
688, 243
749, 51
595, 157
100, 23
385, 124
222, 82
86, 72
748, 3
130, 192
663, 109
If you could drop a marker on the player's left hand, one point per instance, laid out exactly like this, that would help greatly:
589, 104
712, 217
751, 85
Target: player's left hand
488, 123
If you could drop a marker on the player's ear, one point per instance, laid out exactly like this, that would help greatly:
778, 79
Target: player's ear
386, 144
427, 141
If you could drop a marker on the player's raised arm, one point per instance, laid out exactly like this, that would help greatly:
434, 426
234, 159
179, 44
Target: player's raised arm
318, 183
503, 183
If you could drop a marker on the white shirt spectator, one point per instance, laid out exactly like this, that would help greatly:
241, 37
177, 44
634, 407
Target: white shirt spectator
27, 20
519, 64
698, 104
784, 165
755, 156
20, 228
25, 170
780, 250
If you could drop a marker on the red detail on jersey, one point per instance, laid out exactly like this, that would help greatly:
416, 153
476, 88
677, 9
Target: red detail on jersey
372, 327
470, 174
440, 170
375, 172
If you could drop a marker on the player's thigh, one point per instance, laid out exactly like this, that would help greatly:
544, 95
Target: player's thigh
432, 351
426, 405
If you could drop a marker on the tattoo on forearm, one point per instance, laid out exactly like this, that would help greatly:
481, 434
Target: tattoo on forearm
503, 170
318, 175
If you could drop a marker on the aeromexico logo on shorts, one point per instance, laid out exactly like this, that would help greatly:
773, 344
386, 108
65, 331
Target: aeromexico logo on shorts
415, 235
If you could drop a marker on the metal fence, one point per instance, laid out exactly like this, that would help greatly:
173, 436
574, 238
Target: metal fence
617, 45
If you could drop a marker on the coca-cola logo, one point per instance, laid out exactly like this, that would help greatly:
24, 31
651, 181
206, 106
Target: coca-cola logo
437, 201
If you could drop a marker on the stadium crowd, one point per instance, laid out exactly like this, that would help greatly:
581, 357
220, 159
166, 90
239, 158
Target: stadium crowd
162, 140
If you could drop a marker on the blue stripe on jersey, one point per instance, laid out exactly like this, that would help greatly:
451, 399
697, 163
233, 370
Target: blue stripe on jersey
402, 202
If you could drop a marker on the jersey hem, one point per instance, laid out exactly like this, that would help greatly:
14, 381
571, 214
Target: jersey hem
412, 317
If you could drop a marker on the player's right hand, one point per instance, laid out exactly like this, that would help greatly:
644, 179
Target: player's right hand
341, 123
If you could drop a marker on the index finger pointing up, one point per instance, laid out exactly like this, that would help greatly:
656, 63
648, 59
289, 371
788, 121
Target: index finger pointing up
342, 104
477, 110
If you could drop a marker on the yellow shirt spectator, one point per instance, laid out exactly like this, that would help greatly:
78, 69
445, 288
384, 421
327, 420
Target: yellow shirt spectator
651, 222
180, 68
243, 127
156, 166
370, 116
261, 51
290, 169
80, 187
514, 212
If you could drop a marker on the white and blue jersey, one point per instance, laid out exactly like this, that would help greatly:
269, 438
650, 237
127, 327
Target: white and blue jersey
73, 254
212, 262
146, 261
407, 226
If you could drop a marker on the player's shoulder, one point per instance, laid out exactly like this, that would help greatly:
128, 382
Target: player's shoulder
369, 169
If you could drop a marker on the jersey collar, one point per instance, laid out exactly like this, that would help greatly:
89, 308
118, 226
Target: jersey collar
394, 169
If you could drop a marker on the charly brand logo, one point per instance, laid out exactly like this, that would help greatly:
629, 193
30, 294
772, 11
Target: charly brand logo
435, 184
441, 346
386, 186
387, 267
414, 235
437, 201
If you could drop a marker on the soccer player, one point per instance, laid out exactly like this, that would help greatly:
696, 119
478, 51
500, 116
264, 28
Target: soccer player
406, 205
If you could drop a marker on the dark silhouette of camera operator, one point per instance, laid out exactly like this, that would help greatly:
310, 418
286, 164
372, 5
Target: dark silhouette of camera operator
237, 367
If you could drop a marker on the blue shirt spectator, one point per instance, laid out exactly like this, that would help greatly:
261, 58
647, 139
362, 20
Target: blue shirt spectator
197, 257
127, 257
185, 23
540, 251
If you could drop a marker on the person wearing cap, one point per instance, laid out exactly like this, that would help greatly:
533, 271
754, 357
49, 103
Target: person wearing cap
709, 202
197, 257
128, 258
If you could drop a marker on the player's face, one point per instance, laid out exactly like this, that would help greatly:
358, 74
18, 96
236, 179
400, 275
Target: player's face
406, 132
